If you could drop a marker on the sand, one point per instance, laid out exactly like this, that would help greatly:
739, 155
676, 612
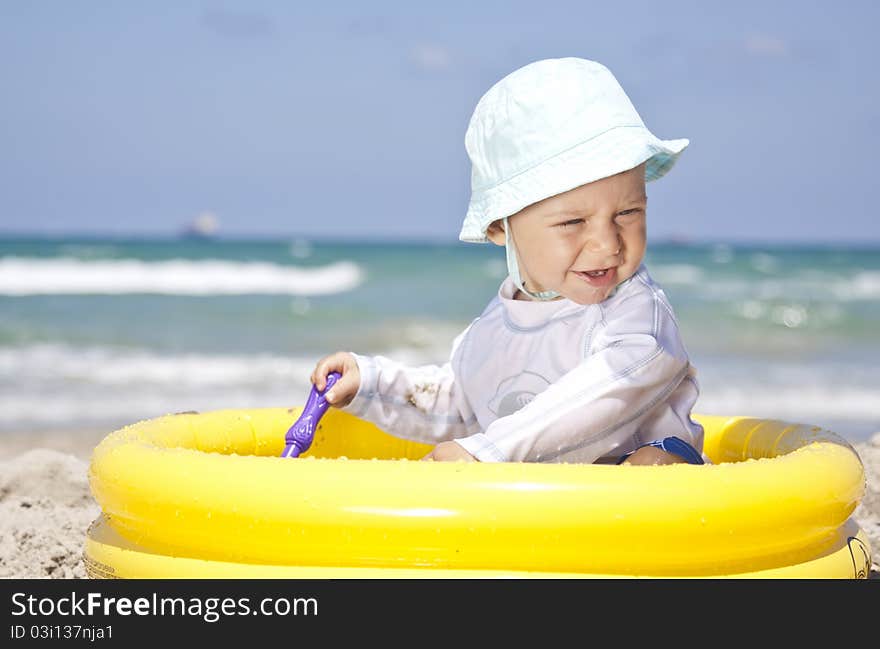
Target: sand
46, 506
45, 509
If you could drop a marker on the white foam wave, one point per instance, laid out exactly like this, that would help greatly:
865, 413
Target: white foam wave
851, 412
36, 412
69, 276
865, 285
820, 393
49, 386
107, 367
45, 386
808, 286
55, 385
801, 403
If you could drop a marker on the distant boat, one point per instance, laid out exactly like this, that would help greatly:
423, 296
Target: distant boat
204, 226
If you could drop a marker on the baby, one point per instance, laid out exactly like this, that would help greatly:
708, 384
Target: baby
578, 358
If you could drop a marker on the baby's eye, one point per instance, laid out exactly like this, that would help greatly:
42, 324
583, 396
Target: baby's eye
570, 222
628, 216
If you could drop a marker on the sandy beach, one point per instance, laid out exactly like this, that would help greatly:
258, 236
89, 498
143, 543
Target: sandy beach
46, 506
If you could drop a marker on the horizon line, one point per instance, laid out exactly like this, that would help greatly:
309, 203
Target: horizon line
385, 239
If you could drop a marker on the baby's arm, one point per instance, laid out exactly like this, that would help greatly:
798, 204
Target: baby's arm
418, 403
593, 408
597, 406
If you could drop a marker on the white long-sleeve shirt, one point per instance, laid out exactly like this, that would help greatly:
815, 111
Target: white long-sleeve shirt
550, 381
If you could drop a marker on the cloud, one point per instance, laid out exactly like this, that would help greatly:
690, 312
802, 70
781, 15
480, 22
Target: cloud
238, 24
431, 58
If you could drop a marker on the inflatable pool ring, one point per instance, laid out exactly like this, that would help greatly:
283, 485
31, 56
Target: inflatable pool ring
207, 495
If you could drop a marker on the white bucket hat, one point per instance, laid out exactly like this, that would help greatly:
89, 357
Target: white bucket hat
549, 127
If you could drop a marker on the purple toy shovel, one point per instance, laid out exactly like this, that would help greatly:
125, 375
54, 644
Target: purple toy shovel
299, 436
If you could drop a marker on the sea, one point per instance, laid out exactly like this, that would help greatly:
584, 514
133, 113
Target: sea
97, 333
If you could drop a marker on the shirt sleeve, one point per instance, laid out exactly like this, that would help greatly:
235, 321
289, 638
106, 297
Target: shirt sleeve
636, 363
417, 403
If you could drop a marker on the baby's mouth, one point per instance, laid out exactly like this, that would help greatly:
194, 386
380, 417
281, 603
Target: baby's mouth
597, 272
598, 277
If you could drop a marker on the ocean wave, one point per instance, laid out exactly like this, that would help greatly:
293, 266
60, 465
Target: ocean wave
865, 286
21, 276
808, 286
43, 386
808, 404
59, 366
764, 263
89, 251
300, 248
75, 411
677, 273
113, 367
496, 268
47, 386
850, 412
824, 393
61, 386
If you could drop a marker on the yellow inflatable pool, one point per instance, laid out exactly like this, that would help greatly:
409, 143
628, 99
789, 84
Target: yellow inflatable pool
206, 495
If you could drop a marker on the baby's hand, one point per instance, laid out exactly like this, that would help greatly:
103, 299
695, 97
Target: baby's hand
651, 455
342, 393
449, 452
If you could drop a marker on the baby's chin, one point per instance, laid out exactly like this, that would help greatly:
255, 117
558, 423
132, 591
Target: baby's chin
581, 293
585, 300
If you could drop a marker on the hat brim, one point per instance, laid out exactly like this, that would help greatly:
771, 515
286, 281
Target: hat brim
612, 152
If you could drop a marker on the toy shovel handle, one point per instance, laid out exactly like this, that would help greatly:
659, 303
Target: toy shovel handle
299, 436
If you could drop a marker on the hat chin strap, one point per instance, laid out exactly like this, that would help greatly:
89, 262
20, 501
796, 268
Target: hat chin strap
513, 267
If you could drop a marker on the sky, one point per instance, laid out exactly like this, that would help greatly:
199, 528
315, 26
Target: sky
347, 119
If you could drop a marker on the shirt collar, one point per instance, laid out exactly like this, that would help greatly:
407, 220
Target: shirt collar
533, 313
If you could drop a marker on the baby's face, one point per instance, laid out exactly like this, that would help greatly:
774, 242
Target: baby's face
583, 242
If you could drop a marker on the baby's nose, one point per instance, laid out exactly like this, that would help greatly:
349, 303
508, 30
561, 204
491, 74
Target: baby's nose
606, 241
